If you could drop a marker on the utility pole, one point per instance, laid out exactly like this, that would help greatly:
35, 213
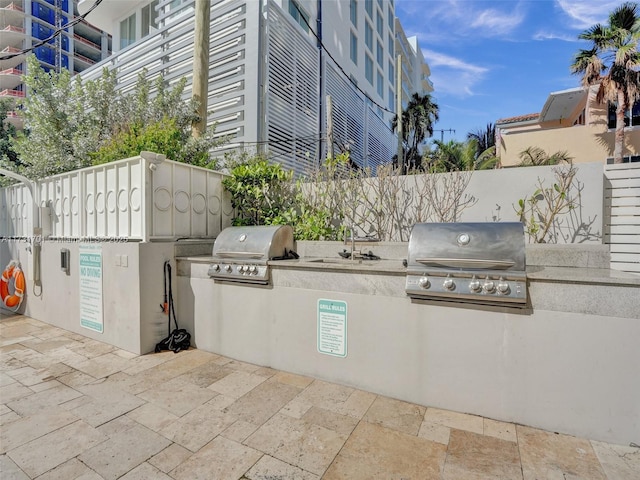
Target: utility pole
442, 130
329, 127
200, 85
399, 110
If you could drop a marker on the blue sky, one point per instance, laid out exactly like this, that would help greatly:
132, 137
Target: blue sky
497, 59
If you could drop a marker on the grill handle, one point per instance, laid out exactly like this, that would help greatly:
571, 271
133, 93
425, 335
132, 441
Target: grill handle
466, 263
227, 254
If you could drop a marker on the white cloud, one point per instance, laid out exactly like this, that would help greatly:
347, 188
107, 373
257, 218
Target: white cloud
585, 13
459, 18
542, 35
496, 23
452, 76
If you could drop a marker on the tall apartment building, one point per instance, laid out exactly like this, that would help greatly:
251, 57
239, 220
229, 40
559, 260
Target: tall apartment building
272, 65
415, 70
25, 23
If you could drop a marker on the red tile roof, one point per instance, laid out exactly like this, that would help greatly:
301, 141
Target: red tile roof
519, 118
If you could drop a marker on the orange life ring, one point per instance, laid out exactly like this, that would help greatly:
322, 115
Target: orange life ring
13, 271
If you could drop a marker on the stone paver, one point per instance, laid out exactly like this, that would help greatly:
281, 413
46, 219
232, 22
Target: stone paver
124, 451
551, 455
373, 451
221, 459
74, 408
471, 456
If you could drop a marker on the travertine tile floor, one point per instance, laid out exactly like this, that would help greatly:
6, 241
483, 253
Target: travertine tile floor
74, 408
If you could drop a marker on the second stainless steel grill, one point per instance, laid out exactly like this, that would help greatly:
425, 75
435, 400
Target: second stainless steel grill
470, 262
240, 254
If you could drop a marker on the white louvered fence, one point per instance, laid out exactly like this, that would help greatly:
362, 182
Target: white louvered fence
622, 215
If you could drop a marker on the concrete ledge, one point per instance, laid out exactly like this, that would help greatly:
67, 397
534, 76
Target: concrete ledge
570, 255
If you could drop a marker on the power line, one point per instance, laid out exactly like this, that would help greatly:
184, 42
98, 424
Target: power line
302, 16
57, 32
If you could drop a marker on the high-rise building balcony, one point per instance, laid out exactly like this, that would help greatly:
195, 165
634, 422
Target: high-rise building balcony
10, 78
12, 36
9, 59
8, 93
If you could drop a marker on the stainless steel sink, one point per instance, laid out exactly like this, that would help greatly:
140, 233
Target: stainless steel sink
344, 261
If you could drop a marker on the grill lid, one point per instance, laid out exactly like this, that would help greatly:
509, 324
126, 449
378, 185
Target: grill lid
256, 242
468, 246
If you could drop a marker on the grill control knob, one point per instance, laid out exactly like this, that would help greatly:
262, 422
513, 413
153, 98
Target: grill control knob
253, 269
424, 282
503, 287
243, 268
449, 284
227, 268
474, 285
215, 267
489, 286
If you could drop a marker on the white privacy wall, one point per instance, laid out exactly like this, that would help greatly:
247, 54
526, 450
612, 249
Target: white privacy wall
133, 199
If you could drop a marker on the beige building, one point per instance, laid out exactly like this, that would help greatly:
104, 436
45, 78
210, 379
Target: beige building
572, 121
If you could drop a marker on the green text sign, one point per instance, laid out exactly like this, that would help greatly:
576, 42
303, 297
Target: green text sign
332, 327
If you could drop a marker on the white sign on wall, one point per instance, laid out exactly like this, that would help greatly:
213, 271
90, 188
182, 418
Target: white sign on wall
332, 327
90, 263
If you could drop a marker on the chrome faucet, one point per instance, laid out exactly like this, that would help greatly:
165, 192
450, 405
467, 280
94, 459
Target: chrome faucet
350, 230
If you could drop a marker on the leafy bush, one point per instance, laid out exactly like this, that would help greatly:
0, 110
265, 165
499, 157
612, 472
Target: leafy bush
260, 191
71, 124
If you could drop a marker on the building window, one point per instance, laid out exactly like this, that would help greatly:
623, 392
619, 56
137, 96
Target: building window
380, 84
581, 118
390, 18
368, 36
392, 99
379, 24
368, 6
149, 19
380, 54
635, 116
392, 73
354, 48
368, 68
353, 12
128, 31
391, 45
299, 15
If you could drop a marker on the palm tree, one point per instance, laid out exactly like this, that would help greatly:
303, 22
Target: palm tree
535, 156
485, 139
452, 156
417, 124
612, 62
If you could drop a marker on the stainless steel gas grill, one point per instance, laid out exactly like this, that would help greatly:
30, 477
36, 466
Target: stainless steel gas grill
240, 254
470, 262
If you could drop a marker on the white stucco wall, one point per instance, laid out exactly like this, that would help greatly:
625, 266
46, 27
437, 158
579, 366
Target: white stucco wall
563, 371
132, 294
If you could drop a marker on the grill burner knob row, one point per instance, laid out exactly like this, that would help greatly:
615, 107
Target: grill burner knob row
424, 282
449, 284
474, 285
489, 286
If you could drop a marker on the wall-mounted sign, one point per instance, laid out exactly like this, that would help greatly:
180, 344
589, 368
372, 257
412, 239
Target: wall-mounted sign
90, 264
332, 327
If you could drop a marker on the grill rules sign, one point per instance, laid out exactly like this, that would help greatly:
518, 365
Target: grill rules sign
332, 327
91, 286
